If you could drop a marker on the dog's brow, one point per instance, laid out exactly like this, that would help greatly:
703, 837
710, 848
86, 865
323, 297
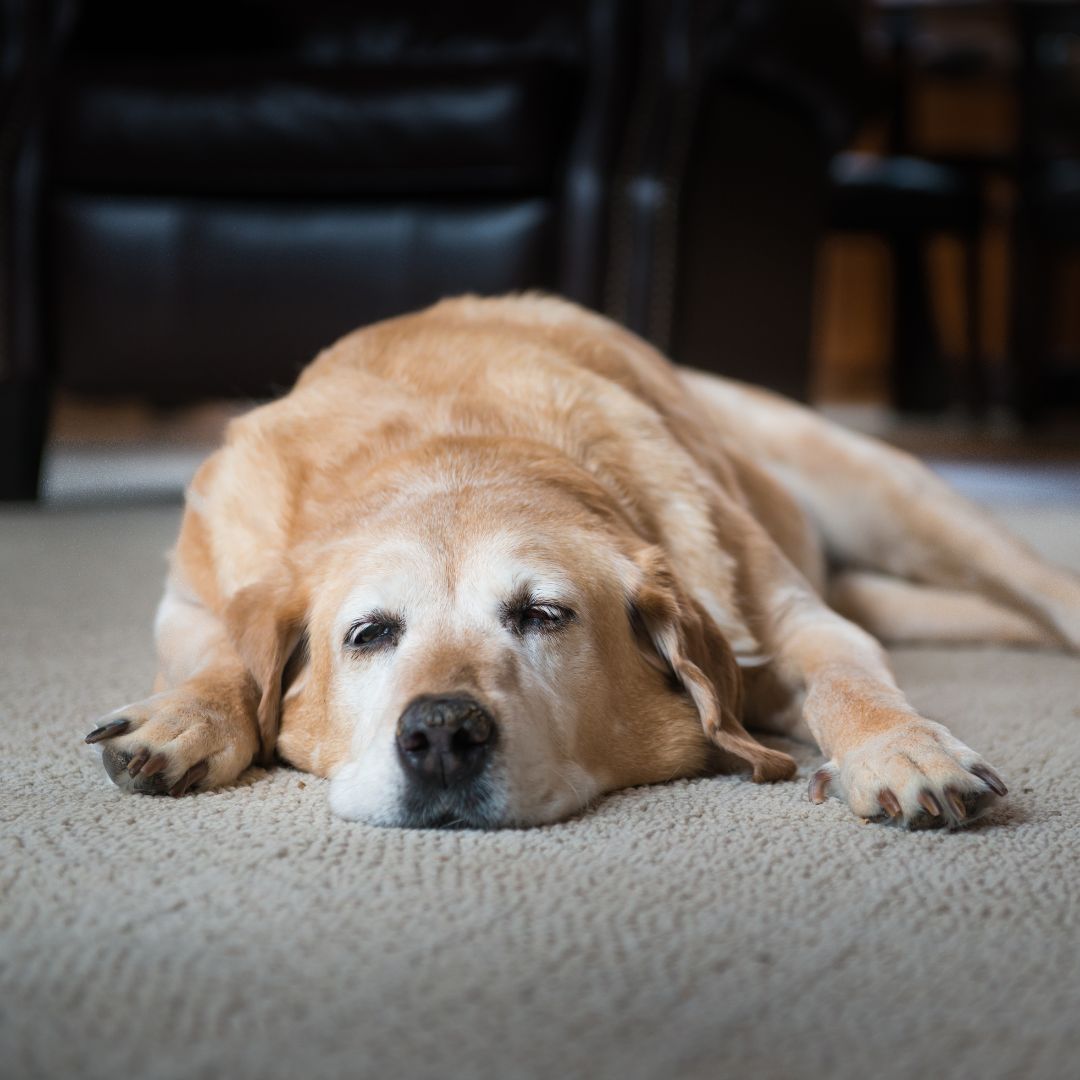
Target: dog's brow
520, 596
535, 588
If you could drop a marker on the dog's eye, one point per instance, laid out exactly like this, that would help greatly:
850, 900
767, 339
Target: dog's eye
532, 618
372, 632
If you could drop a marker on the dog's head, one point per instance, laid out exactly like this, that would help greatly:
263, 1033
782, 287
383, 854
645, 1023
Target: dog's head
490, 644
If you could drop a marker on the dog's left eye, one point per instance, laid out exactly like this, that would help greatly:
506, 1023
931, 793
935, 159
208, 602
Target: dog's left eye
540, 617
371, 632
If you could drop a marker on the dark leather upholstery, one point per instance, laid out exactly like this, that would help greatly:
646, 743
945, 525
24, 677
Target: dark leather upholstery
209, 192
260, 287
483, 130
237, 184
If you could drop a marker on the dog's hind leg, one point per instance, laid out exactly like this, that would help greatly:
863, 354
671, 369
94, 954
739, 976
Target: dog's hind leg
879, 509
898, 612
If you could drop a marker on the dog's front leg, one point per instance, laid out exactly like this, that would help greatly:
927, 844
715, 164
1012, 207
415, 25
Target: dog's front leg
888, 762
199, 730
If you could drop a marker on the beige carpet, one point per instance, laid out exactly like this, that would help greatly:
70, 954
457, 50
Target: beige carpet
702, 929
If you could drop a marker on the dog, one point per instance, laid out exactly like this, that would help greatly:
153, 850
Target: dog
489, 561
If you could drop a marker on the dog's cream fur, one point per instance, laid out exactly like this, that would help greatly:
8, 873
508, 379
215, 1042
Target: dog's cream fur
716, 545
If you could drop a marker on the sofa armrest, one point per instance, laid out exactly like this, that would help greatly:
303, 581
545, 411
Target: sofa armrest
30, 30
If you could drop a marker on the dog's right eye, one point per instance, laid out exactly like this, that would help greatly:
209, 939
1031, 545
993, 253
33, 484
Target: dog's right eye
370, 633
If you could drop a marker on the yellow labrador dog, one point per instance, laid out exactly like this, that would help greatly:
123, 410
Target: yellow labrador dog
491, 560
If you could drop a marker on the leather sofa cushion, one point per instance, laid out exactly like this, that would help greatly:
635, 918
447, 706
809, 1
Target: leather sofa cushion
184, 298
286, 131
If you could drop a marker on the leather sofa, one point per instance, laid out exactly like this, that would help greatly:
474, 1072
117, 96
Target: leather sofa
198, 196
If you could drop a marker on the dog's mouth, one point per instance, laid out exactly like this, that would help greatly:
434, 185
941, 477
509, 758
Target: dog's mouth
451, 821
477, 806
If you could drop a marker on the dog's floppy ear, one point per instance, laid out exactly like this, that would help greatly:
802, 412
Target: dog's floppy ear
265, 622
691, 646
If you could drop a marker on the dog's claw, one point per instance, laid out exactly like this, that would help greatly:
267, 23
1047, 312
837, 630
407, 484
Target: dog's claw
990, 779
890, 804
819, 786
153, 764
107, 731
929, 804
189, 779
137, 762
956, 804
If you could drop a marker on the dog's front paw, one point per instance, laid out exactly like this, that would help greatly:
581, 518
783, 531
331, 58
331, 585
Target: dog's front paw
172, 743
916, 775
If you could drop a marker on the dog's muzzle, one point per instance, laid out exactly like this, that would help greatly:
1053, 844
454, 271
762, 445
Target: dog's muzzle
444, 742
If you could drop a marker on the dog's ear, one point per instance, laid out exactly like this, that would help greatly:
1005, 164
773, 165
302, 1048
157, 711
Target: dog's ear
265, 622
682, 638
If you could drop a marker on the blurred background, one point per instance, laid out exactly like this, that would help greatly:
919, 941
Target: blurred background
873, 205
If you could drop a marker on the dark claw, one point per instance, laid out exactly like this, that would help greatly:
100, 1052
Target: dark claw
990, 779
116, 762
154, 765
189, 779
890, 803
819, 786
956, 804
929, 804
137, 762
107, 731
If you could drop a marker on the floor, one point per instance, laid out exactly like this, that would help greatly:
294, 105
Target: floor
698, 929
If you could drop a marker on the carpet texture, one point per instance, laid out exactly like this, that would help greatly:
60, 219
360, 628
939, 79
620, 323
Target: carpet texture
702, 929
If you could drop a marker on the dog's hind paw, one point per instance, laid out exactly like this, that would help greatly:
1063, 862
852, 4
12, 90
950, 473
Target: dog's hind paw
916, 775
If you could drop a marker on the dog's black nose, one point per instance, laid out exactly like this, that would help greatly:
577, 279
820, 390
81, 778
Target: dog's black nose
445, 740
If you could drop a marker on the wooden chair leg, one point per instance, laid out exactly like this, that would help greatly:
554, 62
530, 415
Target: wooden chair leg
1029, 333
975, 388
918, 380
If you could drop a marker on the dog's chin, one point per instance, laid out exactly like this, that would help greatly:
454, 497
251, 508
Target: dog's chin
398, 803
485, 806
478, 806
387, 797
